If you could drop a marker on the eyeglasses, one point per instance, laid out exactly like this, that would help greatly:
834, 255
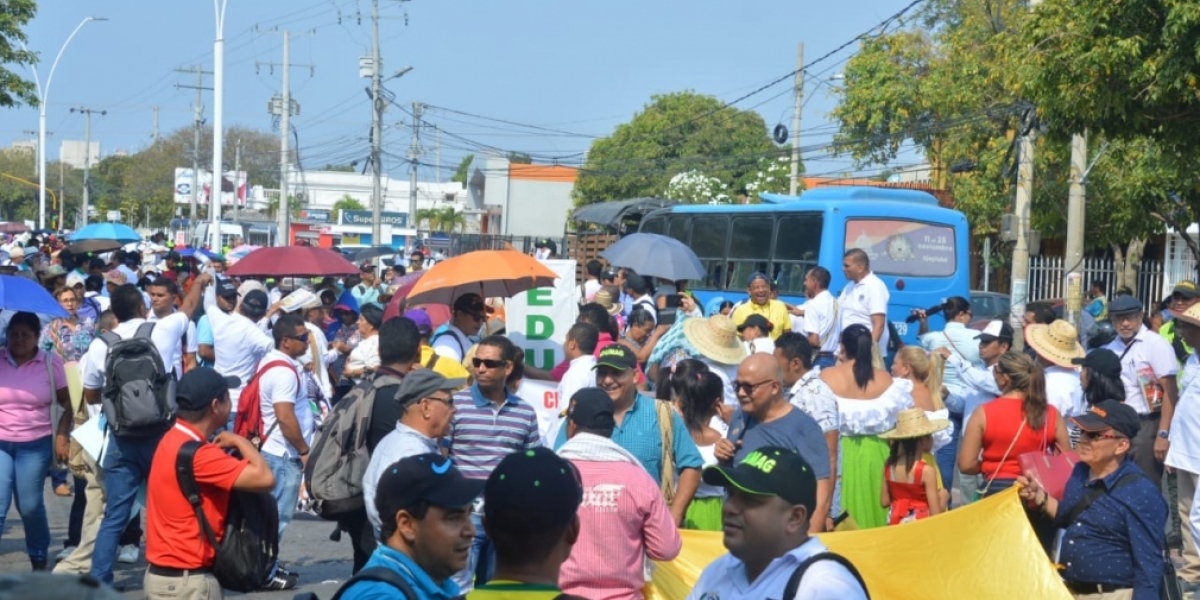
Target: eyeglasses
1099, 435
303, 339
69, 300
448, 401
478, 316
488, 362
749, 388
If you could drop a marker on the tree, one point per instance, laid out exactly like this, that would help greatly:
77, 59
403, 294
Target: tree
346, 202
773, 176
519, 158
294, 203
460, 174
677, 132
350, 168
694, 187
448, 219
15, 90
426, 216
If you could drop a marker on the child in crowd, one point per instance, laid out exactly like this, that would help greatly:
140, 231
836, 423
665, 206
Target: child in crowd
910, 483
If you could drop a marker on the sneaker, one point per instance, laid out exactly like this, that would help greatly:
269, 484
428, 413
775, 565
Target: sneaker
282, 580
39, 565
129, 554
65, 553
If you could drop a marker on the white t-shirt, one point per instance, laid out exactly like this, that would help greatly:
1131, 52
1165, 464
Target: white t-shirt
238, 346
726, 578
282, 385
167, 337
578, 376
365, 355
861, 300
453, 344
1148, 353
762, 345
1184, 452
192, 346
590, 287
1064, 392
727, 374
821, 318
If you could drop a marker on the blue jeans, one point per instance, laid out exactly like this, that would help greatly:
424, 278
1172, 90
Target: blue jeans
947, 456
126, 467
824, 361
23, 468
288, 474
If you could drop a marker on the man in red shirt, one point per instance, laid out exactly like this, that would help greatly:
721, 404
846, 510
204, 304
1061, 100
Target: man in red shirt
179, 555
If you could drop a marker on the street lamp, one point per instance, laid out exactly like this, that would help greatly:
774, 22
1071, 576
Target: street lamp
43, 96
214, 190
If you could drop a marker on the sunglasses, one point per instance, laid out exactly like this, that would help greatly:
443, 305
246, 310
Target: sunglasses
749, 388
488, 362
300, 338
478, 316
1099, 435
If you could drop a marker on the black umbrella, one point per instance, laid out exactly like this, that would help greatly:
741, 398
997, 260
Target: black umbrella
369, 253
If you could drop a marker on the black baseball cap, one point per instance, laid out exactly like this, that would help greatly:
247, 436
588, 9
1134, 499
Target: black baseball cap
616, 356
755, 320
591, 408
769, 471
367, 268
254, 304
1110, 414
226, 288
1123, 305
200, 386
430, 478
1102, 361
472, 303
532, 491
422, 383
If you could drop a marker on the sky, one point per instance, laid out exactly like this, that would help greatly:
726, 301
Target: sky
579, 68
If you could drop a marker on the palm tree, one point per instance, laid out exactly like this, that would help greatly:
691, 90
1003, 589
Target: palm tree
427, 216
449, 219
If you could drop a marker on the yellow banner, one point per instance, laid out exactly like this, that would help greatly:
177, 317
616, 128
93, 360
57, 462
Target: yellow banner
984, 550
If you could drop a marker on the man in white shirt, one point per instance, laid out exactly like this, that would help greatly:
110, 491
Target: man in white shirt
1148, 365
1184, 453
126, 460
821, 317
1056, 345
239, 344
287, 416
770, 495
587, 290
580, 348
864, 300
467, 316
162, 293
639, 294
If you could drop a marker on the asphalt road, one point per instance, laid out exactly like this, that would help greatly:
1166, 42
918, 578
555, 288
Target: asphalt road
306, 549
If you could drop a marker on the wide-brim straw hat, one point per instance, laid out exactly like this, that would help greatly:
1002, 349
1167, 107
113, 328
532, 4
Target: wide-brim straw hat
605, 299
914, 423
1190, 316
716, 338
1057, 342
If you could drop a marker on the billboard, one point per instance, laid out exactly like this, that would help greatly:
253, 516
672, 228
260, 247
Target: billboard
231, 181
366, 217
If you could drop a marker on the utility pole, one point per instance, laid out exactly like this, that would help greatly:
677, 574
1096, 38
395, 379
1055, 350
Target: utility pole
438, 172
197, 123
1076, 199
1024, 199
794, 179
377, 106
414, 157
87, 156
285, 107
237, 179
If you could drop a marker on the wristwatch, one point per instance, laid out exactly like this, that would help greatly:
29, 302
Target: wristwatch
1163, 433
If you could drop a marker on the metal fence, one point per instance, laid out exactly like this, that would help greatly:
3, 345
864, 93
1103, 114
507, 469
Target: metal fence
461, 243
1046, 274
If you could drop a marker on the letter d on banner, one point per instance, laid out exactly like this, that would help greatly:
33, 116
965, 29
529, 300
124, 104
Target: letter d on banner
539, 327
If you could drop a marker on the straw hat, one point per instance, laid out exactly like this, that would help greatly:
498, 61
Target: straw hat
1190, 316
913, 423
716, 338
1057, 342
605, 299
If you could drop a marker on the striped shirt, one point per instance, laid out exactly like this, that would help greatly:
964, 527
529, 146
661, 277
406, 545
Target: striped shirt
482, 434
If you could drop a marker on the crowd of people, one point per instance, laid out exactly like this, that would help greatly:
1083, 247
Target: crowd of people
765, 421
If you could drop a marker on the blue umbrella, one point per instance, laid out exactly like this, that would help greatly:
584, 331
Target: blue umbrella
21, 294
107, 231
189, 252
656, 256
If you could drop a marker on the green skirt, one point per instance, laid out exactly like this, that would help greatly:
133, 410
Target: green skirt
863, 458
703, 514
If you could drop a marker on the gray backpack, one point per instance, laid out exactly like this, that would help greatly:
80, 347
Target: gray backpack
139, 393
340, 455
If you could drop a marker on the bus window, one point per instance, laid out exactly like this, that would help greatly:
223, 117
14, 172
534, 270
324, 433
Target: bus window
654, 225
678, 228
749, 249
797, 249
710, 234
907, 248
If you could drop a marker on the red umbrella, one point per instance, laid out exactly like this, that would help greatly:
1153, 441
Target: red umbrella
438, 313
292, 261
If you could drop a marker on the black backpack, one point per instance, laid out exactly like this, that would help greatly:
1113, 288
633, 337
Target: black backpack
250, 548
139, 392
793, 582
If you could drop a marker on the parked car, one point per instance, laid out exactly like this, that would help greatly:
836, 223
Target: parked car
986, 306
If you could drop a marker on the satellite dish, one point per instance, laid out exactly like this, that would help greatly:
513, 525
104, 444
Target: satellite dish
780, 134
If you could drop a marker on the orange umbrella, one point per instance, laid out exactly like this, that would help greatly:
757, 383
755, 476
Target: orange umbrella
489, 273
